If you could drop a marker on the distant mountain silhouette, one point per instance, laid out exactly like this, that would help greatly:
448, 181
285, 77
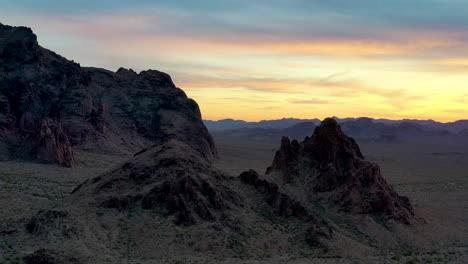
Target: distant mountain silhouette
362, 128
229, 124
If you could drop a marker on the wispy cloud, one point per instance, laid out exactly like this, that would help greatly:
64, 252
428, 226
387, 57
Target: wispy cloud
388, 58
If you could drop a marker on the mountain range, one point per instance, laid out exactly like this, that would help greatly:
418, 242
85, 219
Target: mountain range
362, 128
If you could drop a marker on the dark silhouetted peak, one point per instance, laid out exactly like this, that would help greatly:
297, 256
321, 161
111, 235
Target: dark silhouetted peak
94, 109
329, 130
284, 158
334, 167
157, 78
329, 143
126, 73
17, 45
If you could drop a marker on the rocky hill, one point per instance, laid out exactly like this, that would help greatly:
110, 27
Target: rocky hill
171, 176
50, 106
330, 166
169, 199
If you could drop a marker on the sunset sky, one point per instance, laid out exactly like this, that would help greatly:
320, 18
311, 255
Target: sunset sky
269, 59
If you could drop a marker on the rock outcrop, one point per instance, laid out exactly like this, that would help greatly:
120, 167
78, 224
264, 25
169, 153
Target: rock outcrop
330, 166
91, 109
282, 203
318, 231
171, 176
53, 145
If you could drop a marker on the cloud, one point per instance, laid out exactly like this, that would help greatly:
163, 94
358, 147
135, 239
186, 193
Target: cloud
388, 57
228, 32
279, 85
312, 101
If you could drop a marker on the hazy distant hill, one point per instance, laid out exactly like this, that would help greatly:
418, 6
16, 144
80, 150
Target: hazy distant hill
364, 128
230, 124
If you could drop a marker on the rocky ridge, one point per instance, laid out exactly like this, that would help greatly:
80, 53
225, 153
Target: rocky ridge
73, 107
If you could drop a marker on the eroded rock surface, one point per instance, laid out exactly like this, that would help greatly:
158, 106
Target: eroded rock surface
285, 205
53, 145
172, 176
93, 109
330, 166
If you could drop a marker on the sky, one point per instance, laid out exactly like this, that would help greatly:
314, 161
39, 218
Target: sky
269, 59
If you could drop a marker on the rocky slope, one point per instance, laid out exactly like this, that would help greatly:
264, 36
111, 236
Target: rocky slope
171, 176
171, 186
169, 199
330, 166
50, 105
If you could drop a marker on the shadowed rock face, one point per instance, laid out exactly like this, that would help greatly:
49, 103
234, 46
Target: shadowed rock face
282, 203
53, 144
171, 176
335, 169
318, 231
92, 109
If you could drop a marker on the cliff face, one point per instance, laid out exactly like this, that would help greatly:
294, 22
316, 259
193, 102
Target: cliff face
95, 109
329, 165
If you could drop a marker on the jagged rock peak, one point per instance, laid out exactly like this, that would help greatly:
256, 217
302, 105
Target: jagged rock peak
330, 142
335, 170
127, 73
284, 157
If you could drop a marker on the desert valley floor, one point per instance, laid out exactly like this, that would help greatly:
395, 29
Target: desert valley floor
434, 176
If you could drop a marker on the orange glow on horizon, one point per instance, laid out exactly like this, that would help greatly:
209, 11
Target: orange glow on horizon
415, 75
